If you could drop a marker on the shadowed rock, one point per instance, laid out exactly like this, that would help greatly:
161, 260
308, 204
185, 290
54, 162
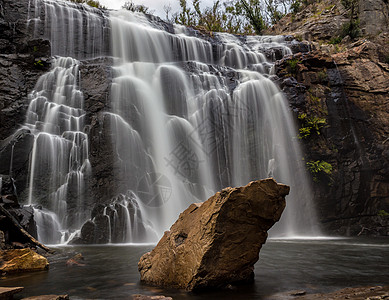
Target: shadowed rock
217, 242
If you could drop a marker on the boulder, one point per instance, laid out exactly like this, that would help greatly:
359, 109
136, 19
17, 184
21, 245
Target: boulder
216, 243
22, 260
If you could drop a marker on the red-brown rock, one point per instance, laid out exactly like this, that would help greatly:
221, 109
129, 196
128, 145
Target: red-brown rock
217, 242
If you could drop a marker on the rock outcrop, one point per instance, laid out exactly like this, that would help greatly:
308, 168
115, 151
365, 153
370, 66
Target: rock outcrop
217, 242
343, 85
22, 260
344, 91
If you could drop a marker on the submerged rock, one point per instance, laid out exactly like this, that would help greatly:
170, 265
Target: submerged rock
217, 242
22, 260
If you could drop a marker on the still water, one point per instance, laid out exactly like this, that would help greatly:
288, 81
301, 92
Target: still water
316, 265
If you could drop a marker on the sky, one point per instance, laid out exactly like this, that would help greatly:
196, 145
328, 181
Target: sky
154, 5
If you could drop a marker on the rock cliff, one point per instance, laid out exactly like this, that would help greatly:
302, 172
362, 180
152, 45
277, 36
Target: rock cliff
339, 92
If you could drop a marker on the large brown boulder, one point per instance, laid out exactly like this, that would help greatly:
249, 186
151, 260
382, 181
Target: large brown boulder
22, 260
217, 242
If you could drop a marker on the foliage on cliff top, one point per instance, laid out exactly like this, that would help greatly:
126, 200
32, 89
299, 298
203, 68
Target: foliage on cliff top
93, 3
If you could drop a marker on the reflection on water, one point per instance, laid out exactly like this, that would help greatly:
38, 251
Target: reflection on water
319, 265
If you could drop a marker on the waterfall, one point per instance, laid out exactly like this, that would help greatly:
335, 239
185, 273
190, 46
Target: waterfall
173, 106
189, 114
59, 161
74, 30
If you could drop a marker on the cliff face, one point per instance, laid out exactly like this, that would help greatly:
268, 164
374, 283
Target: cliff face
343, 87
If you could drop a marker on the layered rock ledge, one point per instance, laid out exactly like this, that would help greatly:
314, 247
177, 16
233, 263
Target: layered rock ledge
217, 242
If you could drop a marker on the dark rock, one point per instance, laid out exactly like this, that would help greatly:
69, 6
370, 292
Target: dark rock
14, 158
7, 185
88, 232
217, 242
48, 297
145, 297
8, 292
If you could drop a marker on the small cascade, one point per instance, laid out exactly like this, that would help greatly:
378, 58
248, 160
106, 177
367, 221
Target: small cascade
59, 163
120, 221
48, 226
75, 30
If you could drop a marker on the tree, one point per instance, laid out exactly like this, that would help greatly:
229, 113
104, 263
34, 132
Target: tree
93, 3
130, 5
253, 12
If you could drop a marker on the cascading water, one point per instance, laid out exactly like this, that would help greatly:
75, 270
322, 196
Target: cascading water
171, 93
59, 159
189, 115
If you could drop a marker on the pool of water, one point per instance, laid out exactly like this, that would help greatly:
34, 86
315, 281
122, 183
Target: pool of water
315, 265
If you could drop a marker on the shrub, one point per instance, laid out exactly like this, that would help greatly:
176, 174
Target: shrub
292, 66
335, 40
319, 167
322, 76
310, 125
383, 213
351, 29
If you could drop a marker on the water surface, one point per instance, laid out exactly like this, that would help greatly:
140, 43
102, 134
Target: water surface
321, 265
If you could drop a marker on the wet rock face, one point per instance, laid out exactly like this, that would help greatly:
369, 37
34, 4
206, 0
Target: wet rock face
217, 242
23, 215
350, 95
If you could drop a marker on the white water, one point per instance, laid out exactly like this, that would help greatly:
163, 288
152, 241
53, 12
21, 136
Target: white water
59, 164
192, 119
188, 118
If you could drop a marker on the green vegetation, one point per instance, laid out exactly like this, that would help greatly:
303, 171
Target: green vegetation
130, 5
92, 3
383, 213
233, 16
386, 59
322, 76
351, 29
319, 167
335, 40
39, 64
292, 66
310, 125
